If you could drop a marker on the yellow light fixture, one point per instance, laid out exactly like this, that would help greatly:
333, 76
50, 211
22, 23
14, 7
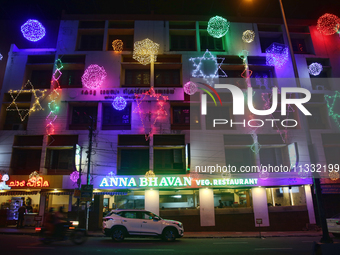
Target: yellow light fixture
145, 51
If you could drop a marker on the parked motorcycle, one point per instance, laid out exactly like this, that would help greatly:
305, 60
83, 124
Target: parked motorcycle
70, 232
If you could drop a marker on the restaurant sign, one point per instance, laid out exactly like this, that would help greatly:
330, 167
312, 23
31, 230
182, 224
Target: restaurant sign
182, 181
30, 183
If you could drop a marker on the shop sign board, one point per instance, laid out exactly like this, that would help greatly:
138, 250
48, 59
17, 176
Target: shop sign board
86, 192
180, 181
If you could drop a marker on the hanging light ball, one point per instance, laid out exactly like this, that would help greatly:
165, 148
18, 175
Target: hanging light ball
333, 175
145, 51
190, 88
119, 103
150, 174
315, 69
93, 77
218, 26
328, 24
248, 36
33, 30
74, 176
117, 45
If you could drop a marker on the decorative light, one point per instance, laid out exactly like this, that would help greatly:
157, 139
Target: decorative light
218, 26
1, 57
74, 176
161, 100
23, 113
331, 100
333, 175
190, 88
34, 174
248, 36
276, 55
226, 175
93, 77
207, 67
263, 175
150, 174
119, 103
54, 96
145, 51
256, 146
315, 69
3, 184
33, 30
110, 175
246, 73
328, 24
117, 45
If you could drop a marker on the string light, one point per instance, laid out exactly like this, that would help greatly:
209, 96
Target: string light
74, 176
119, 103
315, 69
333, 175
161, 100
117, 45
276, 55
1, 57
145, 51
218, 26
54, 96
190, 88
201, 65
93, 77
34, 174
110, 175
248, 36
33, 30
328, 24
150, 174
331, 100
23, 113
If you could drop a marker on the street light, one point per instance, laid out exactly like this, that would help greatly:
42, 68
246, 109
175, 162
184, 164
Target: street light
325, 235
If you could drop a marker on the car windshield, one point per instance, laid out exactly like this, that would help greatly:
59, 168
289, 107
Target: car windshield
112, 212
153, 215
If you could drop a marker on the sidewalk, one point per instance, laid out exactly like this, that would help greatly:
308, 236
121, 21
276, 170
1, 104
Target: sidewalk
31, 231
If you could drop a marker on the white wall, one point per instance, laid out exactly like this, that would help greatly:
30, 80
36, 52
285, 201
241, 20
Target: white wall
309, 202
152, 201
260, 206
207, 210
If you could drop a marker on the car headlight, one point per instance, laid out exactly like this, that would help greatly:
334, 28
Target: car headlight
178, 224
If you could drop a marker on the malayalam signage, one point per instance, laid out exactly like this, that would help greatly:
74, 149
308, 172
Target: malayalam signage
173, 181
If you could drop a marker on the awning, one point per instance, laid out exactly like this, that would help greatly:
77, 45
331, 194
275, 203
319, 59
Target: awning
57, 193
18, 193
111, 193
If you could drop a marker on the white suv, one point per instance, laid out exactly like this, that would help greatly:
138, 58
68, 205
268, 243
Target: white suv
121, 223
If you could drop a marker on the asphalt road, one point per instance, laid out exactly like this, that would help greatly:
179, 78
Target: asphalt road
25, 244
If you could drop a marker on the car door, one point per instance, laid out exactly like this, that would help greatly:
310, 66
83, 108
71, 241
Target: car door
149, 225
132, 224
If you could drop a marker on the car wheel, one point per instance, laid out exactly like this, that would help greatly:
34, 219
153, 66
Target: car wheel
78, 237
118, 234
336, 234
169, 234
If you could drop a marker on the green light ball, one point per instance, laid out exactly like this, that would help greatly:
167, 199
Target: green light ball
218, 26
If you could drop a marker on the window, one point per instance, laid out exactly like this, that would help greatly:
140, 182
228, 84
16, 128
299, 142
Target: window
320, 82
167, 78
331, 144
169, 155
71, 79
178, 199
266, 40
132, 147
232, 198
239, 157
59, 159
41, 79
25, 161
182, 42
133, 200
286, 196
261, 79
185, 117
137, 78
299, 46
91, 42
116, 120
13, 121
271, 156
218, 112
319, 117
210, 43
81, 117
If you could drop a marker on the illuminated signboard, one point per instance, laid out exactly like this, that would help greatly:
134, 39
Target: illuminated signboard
33, 182
172, 182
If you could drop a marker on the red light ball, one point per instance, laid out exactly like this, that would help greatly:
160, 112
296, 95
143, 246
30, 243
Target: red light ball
328, 24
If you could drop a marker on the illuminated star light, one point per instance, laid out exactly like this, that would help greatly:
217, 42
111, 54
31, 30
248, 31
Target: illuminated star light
93, 77
117, 45
315, 69
145, 51
119, 103
218, 26
199, 63
23, 113
331, 100
161, 100
277, 55
248, 36
328, 24
33, 30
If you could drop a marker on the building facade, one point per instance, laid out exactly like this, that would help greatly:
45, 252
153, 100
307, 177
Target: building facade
46, 109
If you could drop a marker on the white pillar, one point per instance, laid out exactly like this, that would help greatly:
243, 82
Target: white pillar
207, 210
152, 201
309, 203
260, 206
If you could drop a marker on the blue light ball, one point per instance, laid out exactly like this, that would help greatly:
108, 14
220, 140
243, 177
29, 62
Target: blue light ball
33, 30
119, 103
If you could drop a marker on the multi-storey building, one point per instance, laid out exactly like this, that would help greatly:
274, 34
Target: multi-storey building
153, 132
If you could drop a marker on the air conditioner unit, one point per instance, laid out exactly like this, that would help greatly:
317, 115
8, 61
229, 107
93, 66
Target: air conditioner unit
17, 127
320, 87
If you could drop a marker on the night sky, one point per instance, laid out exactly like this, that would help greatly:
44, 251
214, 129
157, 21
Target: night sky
14, 13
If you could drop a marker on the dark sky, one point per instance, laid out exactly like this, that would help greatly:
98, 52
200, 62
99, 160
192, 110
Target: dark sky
14, 13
